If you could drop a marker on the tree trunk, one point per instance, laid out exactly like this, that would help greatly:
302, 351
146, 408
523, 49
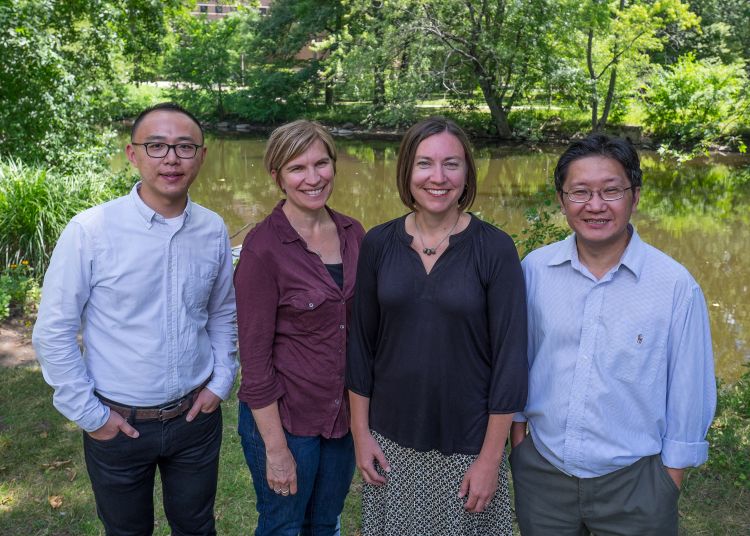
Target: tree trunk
328, 90
378, 94
499, 116
607, 101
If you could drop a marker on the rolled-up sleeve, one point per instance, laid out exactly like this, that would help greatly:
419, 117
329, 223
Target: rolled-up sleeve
363, 334
66, 290
257, 303
221, 325
691, 388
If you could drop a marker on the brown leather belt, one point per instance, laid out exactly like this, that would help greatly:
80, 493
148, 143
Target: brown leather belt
168, 411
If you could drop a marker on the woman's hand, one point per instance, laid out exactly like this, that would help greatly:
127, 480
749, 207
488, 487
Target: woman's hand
368, 452
281, 471
480, 483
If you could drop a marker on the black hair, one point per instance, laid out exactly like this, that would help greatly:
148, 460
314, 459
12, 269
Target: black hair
598, 144
163, 106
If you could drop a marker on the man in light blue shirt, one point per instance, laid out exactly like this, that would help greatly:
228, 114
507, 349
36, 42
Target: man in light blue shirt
621, 376
147, 280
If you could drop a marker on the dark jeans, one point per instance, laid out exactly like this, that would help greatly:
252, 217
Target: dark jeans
324, 473
122, 475
639, 499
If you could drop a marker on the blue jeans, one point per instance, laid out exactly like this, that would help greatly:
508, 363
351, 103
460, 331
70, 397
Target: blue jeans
324, 473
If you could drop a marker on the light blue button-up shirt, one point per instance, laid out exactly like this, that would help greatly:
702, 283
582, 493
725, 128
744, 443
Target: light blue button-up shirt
620, 367
154, 302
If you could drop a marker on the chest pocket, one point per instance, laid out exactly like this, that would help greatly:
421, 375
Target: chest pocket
634, 354
307, 313
200, 282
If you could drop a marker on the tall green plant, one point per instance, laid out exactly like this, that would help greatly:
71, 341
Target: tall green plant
36, 203
541, 228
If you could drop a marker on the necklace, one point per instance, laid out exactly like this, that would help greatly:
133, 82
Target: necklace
432, 251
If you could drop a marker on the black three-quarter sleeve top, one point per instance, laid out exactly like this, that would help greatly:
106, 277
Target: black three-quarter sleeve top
437, 353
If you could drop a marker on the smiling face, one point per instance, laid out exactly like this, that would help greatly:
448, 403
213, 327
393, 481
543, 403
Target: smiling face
438, 175
166, 180
599, 225
307, 179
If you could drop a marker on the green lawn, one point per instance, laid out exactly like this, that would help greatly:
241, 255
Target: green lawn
41, 465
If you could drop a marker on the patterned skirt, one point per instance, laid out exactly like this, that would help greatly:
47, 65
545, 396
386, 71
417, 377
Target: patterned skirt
421, 497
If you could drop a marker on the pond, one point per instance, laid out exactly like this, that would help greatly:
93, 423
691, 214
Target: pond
698, 213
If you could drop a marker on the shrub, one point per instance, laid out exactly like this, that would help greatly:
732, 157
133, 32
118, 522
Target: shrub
697, 100
19, 290
37, 202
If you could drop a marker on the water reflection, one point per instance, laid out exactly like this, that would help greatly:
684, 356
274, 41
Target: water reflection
697, 213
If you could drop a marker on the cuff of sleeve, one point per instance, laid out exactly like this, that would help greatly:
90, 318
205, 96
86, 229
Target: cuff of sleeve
678, 455
95, 420
220, 386
519, 417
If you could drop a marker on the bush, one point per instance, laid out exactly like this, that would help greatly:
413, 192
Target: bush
19, 290
697, 100
37, 202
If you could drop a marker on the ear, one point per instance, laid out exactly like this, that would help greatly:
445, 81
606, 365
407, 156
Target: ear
636, 198
130, 153
560, 201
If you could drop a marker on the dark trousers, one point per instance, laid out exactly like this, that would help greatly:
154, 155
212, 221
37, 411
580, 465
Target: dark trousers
639, 499
122, 475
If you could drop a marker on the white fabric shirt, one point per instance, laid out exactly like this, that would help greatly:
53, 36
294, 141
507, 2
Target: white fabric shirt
155, 305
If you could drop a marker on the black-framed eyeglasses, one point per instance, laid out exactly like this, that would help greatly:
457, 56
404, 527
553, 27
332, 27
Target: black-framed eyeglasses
584, 195
157, 149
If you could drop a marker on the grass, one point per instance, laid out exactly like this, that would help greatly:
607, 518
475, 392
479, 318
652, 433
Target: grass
44, 488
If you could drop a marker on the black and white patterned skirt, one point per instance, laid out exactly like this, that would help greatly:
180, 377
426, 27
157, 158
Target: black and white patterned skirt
421, 497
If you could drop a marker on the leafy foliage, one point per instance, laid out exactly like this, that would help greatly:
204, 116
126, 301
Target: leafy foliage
19, 290
540, 229
36, 203
697, 100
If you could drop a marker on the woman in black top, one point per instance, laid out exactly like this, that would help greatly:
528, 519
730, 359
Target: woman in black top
437, 351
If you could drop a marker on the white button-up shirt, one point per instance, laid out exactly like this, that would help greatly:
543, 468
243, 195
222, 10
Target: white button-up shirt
154, 302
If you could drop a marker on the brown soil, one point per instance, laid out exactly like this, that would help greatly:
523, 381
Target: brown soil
15, 343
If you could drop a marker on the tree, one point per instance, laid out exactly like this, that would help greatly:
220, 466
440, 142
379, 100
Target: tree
621, 33
206, 55
60, 66
500, 47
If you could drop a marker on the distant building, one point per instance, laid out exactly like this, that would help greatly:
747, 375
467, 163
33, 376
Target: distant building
216, 10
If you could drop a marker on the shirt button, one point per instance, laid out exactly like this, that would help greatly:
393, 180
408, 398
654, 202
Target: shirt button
337, 401
311, 305
341, 326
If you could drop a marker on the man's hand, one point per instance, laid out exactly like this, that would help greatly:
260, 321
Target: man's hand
676, 475
115, 424
480, 483
368, 452
517, 433
205, 402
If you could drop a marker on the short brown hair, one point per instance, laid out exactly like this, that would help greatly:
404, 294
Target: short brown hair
408, 151
290, 140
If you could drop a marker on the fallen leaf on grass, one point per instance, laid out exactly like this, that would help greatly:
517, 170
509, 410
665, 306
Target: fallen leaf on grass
44, 435
71, 474
56, 464
55, 501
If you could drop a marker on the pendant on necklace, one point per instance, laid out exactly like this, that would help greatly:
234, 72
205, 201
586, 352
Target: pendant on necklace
429, 251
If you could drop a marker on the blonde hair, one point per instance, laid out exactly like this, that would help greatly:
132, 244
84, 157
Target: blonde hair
290, 140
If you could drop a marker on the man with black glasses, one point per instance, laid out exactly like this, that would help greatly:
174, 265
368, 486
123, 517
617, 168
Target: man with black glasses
147, 279
621, 375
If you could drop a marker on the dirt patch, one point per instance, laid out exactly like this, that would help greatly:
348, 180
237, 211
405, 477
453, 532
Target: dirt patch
15, 343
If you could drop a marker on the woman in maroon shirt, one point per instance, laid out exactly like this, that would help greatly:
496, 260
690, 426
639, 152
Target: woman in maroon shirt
294, 285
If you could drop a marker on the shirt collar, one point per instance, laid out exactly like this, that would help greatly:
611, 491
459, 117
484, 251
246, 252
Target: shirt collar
147, 213
287, 233
633, 258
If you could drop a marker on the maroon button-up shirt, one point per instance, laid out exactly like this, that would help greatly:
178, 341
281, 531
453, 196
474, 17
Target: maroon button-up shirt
293, 321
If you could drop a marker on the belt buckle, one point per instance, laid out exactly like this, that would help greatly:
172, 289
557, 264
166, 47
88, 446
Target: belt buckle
170, 407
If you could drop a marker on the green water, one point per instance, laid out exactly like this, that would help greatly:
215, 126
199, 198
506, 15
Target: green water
695, 212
